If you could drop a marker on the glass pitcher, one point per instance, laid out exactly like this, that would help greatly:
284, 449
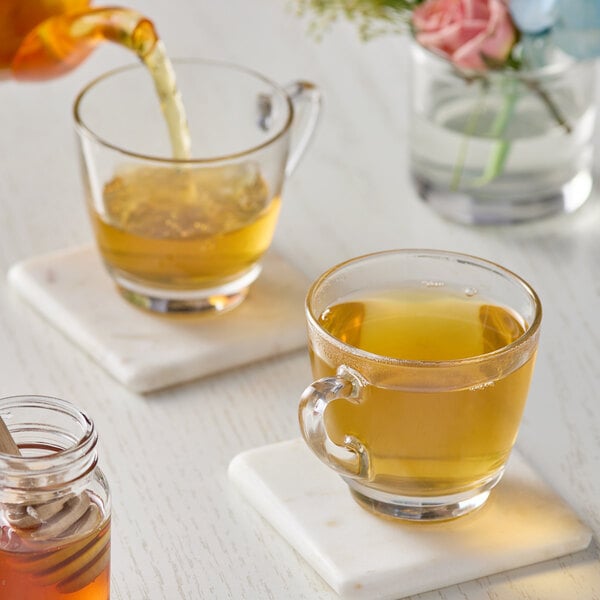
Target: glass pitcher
42, 39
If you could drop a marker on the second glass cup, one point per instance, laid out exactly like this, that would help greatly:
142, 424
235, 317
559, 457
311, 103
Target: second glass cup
422, 362
185, 233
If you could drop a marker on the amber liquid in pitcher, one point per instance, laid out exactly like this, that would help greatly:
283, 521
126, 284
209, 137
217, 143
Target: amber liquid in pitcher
427, 442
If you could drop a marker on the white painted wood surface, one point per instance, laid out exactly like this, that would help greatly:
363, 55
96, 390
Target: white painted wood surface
180, 529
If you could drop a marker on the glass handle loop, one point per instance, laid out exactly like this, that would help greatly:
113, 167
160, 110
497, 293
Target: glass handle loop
306, 98
351, 459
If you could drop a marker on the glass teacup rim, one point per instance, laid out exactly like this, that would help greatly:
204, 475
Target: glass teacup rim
531, 331
210, 160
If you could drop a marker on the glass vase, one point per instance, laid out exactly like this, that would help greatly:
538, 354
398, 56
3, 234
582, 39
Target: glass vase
501, 146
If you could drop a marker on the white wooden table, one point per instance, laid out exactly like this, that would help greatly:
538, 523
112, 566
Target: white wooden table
180, 530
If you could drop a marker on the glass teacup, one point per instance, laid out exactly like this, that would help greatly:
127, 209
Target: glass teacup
423, 362
188, 233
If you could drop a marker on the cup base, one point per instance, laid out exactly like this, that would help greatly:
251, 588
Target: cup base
476, 208
210, 304
204, 300
424, 509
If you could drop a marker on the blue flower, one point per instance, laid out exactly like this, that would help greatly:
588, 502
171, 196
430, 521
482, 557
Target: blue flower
577, 27
534, 16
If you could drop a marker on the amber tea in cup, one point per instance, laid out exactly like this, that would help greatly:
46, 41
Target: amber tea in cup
182, 222
423, 361
185, 228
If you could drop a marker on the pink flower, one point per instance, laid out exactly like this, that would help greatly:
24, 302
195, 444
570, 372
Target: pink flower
466, 32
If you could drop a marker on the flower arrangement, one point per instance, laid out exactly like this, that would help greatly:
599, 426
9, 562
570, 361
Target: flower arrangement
497, 47
473, 34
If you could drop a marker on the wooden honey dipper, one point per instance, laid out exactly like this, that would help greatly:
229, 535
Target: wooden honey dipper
75, 564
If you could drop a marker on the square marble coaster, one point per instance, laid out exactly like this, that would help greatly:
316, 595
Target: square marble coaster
72, 290
363, 556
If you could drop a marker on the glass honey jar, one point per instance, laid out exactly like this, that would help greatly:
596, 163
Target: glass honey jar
54, 503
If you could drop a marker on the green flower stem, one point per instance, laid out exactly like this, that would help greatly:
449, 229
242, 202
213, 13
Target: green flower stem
467, 135
501, 150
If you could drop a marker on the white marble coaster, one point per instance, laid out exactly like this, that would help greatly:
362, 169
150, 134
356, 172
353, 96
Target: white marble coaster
363, 556
144, 351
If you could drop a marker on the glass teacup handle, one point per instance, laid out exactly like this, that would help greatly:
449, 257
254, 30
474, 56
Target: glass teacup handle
306, 99
351, 459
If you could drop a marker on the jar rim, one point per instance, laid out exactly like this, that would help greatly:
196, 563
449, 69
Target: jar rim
64, 460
